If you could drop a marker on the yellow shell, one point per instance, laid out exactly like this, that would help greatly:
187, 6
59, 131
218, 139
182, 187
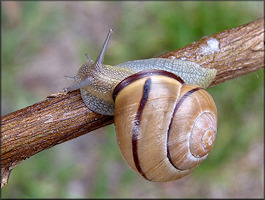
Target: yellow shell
164, 128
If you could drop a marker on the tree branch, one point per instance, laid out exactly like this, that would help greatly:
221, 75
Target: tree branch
62, 117
241, 51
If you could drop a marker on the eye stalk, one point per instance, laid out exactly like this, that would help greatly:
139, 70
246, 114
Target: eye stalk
97, 66
99, 61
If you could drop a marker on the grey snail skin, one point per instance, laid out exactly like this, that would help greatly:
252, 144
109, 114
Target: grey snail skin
165, 120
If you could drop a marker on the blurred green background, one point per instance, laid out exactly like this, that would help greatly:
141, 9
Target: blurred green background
44, 41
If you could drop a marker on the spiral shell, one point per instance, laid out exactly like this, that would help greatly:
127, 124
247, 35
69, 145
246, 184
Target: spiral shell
164, 127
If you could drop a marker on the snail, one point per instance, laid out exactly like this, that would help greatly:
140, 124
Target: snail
165, 121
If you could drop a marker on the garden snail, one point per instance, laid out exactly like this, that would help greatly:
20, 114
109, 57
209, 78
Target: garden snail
165, 121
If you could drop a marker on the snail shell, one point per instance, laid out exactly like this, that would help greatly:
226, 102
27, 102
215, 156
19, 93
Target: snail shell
164, 128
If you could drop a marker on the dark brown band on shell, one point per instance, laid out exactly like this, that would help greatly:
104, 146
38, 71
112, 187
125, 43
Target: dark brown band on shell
172, 118
136, 124
140, 75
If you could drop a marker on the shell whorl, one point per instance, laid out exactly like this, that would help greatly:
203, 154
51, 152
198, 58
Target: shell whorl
150, 123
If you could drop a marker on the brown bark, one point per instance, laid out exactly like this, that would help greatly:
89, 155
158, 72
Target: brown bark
241, 51
62, 117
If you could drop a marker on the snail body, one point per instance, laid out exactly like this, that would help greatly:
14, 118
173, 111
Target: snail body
165, 120
97, 81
